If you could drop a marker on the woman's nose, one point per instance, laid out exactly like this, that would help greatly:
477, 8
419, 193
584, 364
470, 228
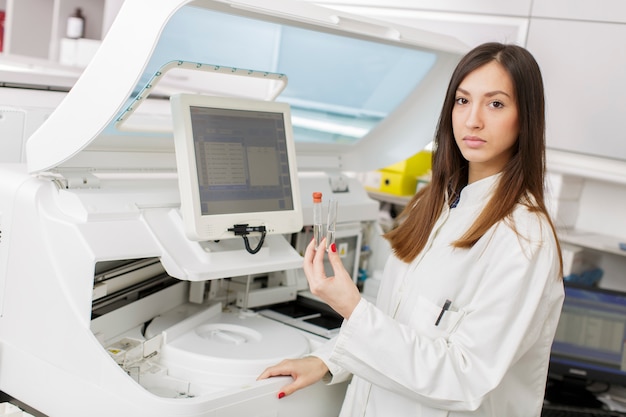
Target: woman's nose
474, 118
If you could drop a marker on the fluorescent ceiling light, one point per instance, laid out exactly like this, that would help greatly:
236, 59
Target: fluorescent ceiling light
329, 127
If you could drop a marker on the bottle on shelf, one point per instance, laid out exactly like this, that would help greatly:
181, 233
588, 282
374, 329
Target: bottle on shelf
75, 25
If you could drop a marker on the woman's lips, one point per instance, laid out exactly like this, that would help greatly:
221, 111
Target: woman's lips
473, 141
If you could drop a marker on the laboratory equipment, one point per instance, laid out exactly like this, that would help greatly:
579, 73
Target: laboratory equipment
588, 345
104, 295
236, 166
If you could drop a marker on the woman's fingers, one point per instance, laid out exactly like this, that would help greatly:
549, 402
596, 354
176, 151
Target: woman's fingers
305, 371
276, 370
313, 264
335, 262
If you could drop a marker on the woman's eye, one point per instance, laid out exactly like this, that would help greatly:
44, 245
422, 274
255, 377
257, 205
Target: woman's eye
461, 100
497, 104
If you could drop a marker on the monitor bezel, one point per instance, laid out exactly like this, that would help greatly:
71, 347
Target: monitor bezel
214, 227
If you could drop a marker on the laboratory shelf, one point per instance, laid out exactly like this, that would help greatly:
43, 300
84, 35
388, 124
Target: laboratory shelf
590, 240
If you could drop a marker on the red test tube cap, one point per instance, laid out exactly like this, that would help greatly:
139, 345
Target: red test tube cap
317, 197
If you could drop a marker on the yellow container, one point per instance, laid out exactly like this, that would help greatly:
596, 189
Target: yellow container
396, 183
402, 177
417, 165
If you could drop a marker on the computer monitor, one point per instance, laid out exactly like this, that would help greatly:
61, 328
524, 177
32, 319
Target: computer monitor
589, 344
236, 166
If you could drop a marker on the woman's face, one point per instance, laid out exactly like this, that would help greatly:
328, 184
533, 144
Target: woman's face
485, 120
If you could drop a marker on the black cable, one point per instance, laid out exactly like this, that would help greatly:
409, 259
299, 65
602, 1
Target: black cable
258, 248
244, 230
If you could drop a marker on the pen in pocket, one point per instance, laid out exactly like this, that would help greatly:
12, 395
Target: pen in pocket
445, 308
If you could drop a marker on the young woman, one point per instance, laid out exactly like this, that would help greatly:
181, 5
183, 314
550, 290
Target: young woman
471, 297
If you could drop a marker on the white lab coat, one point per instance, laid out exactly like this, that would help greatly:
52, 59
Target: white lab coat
489, 354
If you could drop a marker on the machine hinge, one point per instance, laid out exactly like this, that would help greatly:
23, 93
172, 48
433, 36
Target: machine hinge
76, 179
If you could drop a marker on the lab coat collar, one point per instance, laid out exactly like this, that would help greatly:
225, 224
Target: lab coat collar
478, 192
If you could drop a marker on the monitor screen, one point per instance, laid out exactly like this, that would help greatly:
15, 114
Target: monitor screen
236, 165
590, 337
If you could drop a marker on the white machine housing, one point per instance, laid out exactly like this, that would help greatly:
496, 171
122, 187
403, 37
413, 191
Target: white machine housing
106, 307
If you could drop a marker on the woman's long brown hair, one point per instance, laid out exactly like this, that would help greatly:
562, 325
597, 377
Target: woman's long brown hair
522, 179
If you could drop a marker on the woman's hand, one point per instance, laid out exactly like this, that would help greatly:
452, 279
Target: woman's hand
338, 291
305, 372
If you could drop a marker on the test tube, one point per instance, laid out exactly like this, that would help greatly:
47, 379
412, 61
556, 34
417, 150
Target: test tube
317, 218
332, 222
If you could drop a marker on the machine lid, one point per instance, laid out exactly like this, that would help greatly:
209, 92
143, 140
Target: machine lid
364, 94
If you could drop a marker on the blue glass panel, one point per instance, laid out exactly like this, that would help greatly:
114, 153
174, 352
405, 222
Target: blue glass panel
339, 87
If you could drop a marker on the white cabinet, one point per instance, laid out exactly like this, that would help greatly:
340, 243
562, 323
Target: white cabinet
35, 28
611, 11
585, 86
25, 32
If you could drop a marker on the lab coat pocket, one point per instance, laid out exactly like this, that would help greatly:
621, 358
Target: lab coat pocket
426, 318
